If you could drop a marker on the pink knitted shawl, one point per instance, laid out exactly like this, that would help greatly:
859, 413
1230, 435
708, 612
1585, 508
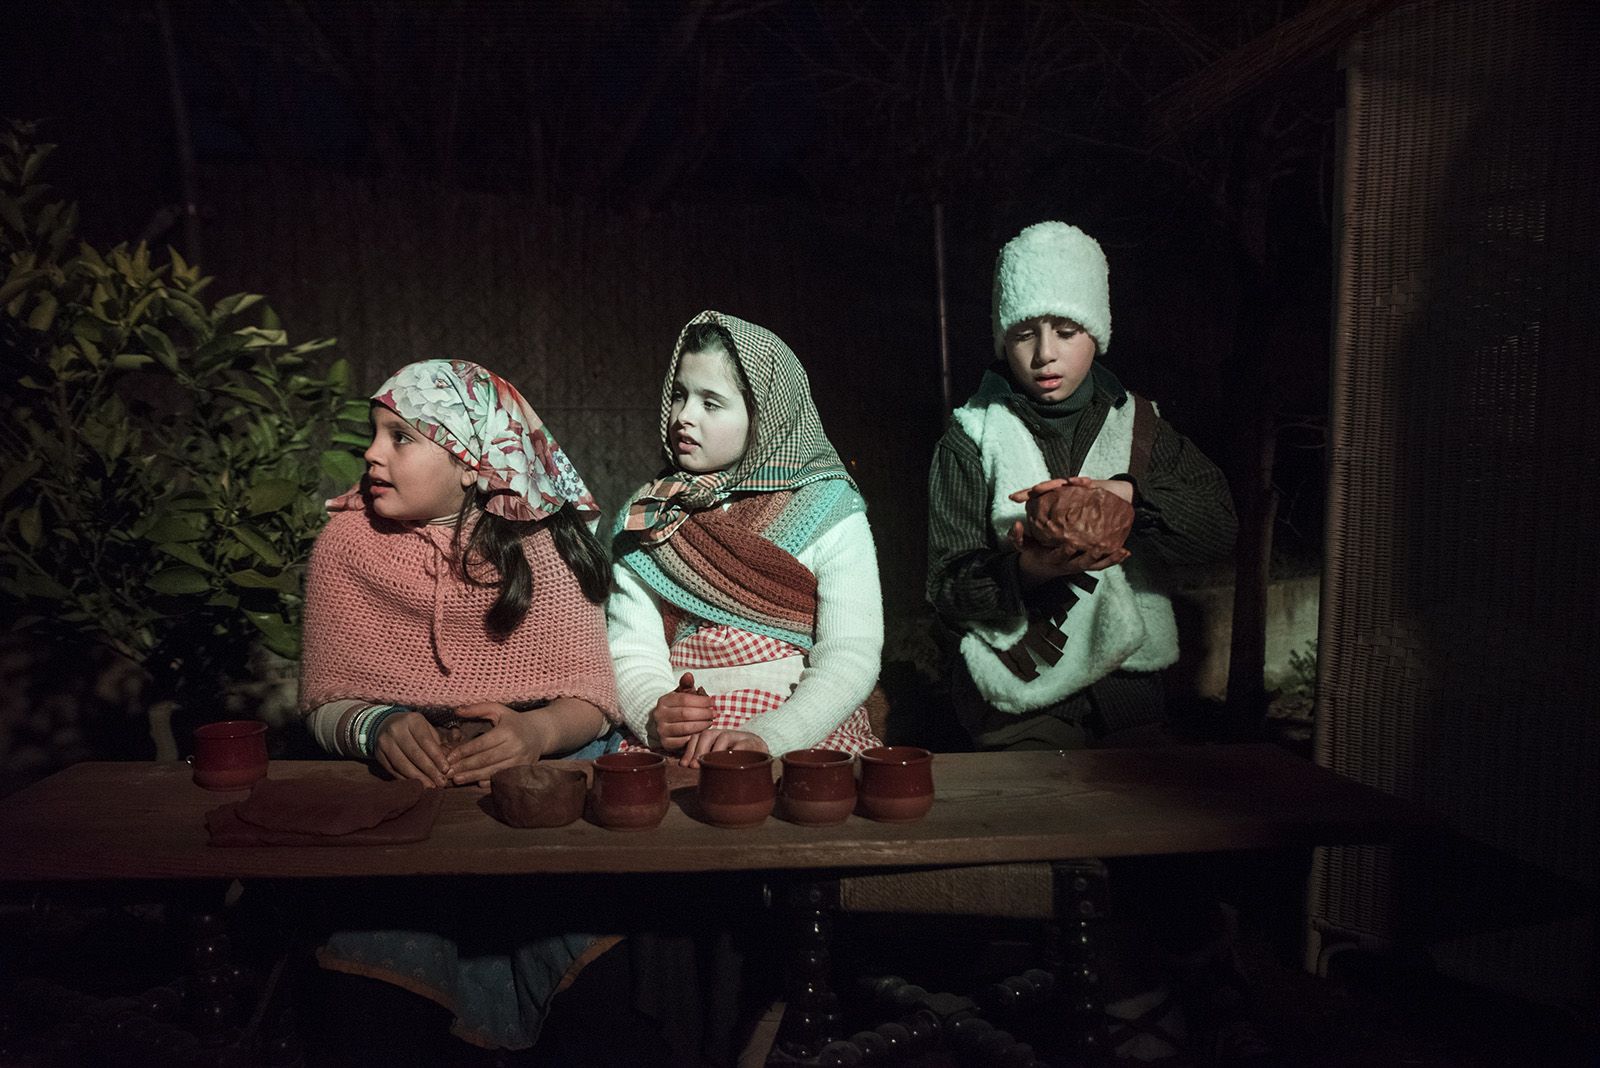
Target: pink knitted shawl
389, 620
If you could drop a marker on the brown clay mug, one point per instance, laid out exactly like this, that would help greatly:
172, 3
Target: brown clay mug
818, 786
896, 783
629, 791
736, 787
539, 795
230, 755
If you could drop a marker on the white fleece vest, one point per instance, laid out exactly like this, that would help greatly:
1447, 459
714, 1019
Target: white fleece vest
1123, 624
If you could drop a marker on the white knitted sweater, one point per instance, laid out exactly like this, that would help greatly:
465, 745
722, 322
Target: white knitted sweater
823, 686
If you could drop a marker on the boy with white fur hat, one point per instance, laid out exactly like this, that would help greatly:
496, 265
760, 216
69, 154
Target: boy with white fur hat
1061, 641
1061, 646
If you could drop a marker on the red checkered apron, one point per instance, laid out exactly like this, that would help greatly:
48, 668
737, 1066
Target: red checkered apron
715, 645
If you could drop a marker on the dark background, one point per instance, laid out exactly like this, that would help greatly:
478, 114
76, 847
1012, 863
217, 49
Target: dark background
618, 166
554, 188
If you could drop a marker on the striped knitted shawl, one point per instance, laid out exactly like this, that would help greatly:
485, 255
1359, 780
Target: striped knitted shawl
736, 566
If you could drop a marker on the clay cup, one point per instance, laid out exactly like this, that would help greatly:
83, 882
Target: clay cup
630, 790
896, 783
818, 786
230, 755
736, 787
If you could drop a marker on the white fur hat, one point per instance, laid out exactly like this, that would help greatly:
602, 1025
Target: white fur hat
1053, 269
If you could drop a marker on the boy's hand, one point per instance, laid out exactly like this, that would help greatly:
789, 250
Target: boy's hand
680, 715
1039, 563
717, 740
515, 738
1121, 487
409, 747
1022, 496
1073, 525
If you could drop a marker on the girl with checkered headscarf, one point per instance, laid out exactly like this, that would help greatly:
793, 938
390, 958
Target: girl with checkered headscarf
745, 609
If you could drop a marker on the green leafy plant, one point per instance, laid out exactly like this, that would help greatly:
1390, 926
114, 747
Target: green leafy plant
1301, 682
164, 461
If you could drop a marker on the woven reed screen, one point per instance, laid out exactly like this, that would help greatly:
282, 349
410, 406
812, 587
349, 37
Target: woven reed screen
1461, 612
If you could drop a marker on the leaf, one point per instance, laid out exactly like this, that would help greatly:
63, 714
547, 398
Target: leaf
92, 352
342, 467
244, 393
339, 373
343, 437
178, 581
277, 634
131, 361
187, 554
30, 525
188, 500
45, 218
256, 542
160, 347
44, 313
35, 160
16, 476
236, 303
316, 346
256, 337
175, 529
194, 320
16, 282
220, 345
32, 584
135, 313
12, 215
270, 494
251, 579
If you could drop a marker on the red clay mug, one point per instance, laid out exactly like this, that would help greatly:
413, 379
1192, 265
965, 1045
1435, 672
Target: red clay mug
629, 791
896, 783
818, 786
736, 787
230, 755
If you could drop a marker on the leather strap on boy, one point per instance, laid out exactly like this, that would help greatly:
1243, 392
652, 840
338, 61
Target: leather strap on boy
1144, 436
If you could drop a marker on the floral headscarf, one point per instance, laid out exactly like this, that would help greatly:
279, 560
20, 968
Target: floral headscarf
788, 448
487, 424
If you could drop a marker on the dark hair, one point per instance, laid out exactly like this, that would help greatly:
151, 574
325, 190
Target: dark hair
496, 544
713, 337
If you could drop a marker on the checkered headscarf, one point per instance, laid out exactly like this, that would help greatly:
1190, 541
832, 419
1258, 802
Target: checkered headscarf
788, 448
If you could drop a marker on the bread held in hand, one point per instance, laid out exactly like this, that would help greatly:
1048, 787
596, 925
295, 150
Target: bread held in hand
1078, 519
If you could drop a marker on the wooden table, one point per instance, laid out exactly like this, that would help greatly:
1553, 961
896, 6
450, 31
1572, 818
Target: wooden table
145, 821
142, 821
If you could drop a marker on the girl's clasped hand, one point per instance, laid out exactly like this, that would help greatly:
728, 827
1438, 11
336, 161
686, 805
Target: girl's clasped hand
412, 748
